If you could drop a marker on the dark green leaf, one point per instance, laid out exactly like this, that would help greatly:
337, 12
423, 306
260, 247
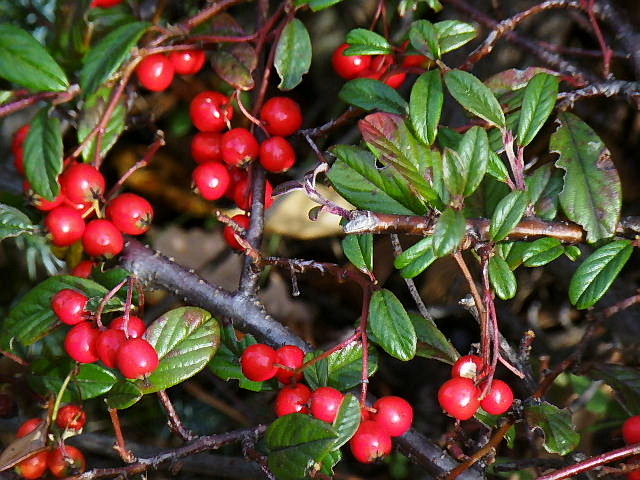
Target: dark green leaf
418, 263
516, 253
43, 154
347, 421
123, 395
508, 214
13, 222
93, 380
539, 100
359, 250
596, 274
592, 194
624, 380
425, 106
24, 61
370, 94
235, 63
542, 251
557, 425
474, 153
344, 367
329, 461
432, 343
537, 182
502, 278
474, 96
494, 421
496, 168
293, 54
317, 5
414, 252
424, 38
547, 205
449, 232
316, 375
390, 324
92, 112
453, 172
452, 34
366, 42
47, 374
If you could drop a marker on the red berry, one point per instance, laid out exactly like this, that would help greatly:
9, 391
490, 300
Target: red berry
395, 80
211, 111
281, 116
230, 234
66, 225
34, 466
155, 72
17, 146
84, 269
499, 398
242, 194
370, 442
188, 62
82, 183
293, 399
394, 414
635, 475
108, 344
27, 427
631, 430
459, 397
212, 180
130, 213
39, 201
239, 147
135, 327
257, 362
206, 147
72, 417
468, 366
105, 3
277, 155
65, 461
137, 358
80, 343
349, 66
292, 357
70, 306
325, 403
419, 61
101, 238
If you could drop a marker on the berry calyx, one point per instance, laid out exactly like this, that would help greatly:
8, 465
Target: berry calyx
281, 116
212, 180
134, 328
499, 398
82, 183
277, 155
206, 147
258, 362
325, 403
130, 213
370, 442
243, 195
468, 366
230, 234
34, 466
70, 306
101, 238
188, 62
155, 72
39, 201
393, 414
66, 460
631, 430
137, 358
72, 417
211, 111
108, 345
292, 357
239, 147
459, 397
349, 66
27, 427
80, 343
293, 399
84, 269
66, 225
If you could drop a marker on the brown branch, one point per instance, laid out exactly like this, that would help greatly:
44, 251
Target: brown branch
175, 422
611, 88
624, 31
55, 98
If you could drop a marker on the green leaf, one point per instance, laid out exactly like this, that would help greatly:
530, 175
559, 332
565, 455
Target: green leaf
539, 100
43, 154
542, 251
390, 324
370, 94
516, 252
452, 34
93, 380
348, 420
432, 343
496, 168
424, 38
592, 194
416, 259
449, 232
123, 395
359, 250
425, 106
24, 61
572, 252
185, 338
317, 5
235, 63
624, 380
508, 214
502, 278
547, 205
557, 425
105, 58
596, 274
13, 222
366, 42
494, 421
537, 182
293, 54
316, 375
474, 96
474, 153
342, 369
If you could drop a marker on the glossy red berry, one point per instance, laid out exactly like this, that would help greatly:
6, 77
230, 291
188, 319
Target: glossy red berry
230, 234
134, 328
293, 399
27, 427
17, 146
211, 111
108, 344
212, 180
105, 3
349, 66
459, 397
325, 403
289, 356
277, 155
631, 430
34, 466
242, 194
281, 116
66, 225
84, 269
415, 61
72, 417
80, 343
206, 147
155, 72
498, 399
101, 238
188, 62
70, 306
137, 358
239, 147
39, 201
394, 414
258, 362
370, 442
468, 366
82, 183
396, 79
130, 213
65, 461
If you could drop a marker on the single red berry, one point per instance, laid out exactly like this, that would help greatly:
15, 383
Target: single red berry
137, 358
281, 116
86, 210
66, 225
459, 397
84, 269
635, 475
277, 155
188, 62
349, 66
293, 399
325, 403
289, 356
65, 461
206, 147
108, 344
394, 414
631, 430
17, 146
212, 180
105, 3
27, 427
499, 398
39, 201
415, 61
80, 343
395, 80
155, 72
70, 306
257, 362
243, 196
72, 417
34, 466
237, 175
130, 213
211, 111
230, 234
134, 328
370, 442
239, 147
468, 366
101, 238
82, 183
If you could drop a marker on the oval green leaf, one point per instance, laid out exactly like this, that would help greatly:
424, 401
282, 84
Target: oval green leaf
359, 250
425, 106
123, 395
502, 278
474, 96
557, 425
449, 232
43, 154
293, 54
13, 222
432, 343
542, 251
347, 421
539, 100
391, 326
366, 42
508, 214
370, 94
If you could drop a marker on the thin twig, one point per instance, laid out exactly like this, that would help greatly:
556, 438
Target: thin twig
175, 423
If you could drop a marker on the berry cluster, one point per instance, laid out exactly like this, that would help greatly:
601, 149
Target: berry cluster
156, 72
460, 396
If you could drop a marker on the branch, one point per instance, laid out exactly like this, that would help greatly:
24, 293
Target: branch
630, 90
623, 30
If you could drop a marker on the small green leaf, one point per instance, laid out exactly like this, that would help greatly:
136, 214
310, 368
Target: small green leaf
542, 251
123, 395
342, 369
449, 232
508, 214
347, 421
359, 250
453, 172
474, 153
595, 275
425, 106
293, 54
432, 343
416, 259
452, 34
573, 252
539, 100
502, 278
370, 94
93, 380
474, 96
316, 375
91, 115
424, 38
317, 5
390, 324
557, 425
537, 182
496, 168
43, 154
366, 42
13, 222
